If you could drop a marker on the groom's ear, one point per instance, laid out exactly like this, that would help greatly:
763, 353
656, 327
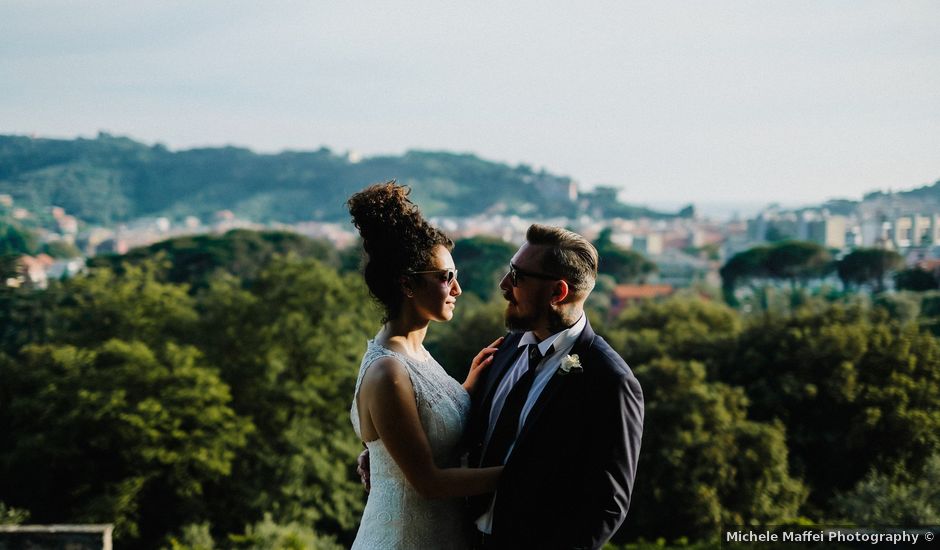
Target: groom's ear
560, 292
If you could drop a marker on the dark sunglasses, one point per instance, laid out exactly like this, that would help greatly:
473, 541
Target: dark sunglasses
515, 273
447, 275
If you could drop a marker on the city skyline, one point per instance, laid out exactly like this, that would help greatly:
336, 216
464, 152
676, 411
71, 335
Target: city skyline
671, 102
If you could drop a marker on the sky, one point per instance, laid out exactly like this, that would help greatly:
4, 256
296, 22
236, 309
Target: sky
672, 102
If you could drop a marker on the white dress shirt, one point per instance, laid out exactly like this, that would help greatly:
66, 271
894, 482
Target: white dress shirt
563, 342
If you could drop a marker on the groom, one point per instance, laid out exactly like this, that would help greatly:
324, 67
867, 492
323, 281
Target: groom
558, 407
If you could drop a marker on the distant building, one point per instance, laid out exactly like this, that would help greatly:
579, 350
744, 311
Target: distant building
556, 188
622, 239
853, 237
625, 295
33, 271
875, 232
828, 232
89, 241
772, 225
915, 230
68, 225
112, 246
651, 244
605, 195
682, 270
902, 232
340, 235
924, 229
65, 268
931, 266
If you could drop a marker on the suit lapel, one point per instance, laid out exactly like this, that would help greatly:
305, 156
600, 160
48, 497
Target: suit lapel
476, 431
581, 346
505, 358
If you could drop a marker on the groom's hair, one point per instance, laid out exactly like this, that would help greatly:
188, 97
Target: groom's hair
567, 255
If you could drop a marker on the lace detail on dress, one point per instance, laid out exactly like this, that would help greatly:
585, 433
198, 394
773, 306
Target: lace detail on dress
396, 516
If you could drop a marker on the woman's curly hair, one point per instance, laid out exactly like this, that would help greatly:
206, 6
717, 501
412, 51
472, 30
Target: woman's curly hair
396, 238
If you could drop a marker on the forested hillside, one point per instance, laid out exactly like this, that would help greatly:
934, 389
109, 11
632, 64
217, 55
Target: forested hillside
111, 179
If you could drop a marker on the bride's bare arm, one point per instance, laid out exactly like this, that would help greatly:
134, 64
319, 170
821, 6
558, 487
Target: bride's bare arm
389, 397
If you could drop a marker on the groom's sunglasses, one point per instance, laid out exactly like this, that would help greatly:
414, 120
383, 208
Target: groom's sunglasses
447, 275
515, 273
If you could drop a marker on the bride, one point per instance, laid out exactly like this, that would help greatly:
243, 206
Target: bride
408, 411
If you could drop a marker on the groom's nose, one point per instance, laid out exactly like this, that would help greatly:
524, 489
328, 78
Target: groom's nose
504, 283
455, 289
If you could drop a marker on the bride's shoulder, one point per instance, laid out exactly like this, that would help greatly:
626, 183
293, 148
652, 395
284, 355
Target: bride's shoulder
386, 387
386, 370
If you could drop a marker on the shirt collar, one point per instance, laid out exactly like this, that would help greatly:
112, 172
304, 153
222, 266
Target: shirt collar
561, 340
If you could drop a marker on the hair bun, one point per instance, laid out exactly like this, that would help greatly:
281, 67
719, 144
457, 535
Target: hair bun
384, 216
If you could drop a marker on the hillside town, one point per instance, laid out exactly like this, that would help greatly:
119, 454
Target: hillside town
686, 249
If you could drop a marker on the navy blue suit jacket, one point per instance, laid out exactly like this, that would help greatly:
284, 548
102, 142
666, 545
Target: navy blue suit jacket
568, 482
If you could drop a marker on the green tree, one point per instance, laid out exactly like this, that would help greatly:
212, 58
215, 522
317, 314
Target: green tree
902, 306
133, 306
482, 261
116, 433
27, 315
868, 266
9, 267
915, 279
702, 458
289, 345
679, 327
882, 499
855, 389
16, 240
194, 260
704, 464
12, 516
798, 261
61, 249
269, 535
748, 265
195, 536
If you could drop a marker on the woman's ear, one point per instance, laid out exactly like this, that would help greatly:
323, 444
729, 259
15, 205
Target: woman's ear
407, 286
560, 292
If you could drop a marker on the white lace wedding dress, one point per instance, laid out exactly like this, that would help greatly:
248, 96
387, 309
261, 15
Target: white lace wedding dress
396, 516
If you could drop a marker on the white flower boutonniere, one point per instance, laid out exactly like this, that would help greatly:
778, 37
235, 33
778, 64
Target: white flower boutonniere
570, 364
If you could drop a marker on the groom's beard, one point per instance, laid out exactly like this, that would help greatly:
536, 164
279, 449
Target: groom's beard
517, 322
